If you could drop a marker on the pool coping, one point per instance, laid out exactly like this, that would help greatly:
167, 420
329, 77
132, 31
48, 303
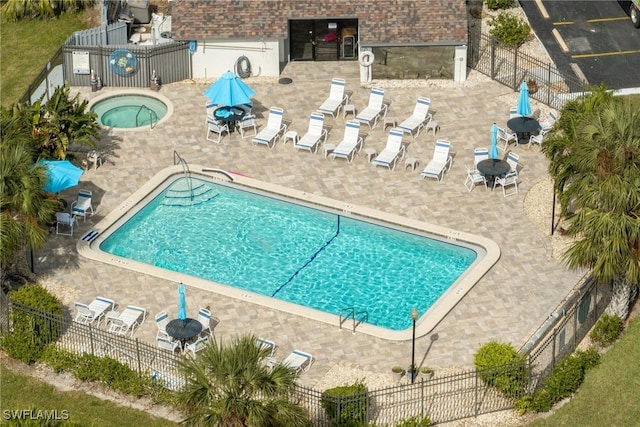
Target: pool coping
87, 246
134, 91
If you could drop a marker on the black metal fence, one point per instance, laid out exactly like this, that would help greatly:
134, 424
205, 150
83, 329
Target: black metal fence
443, 398
511, 67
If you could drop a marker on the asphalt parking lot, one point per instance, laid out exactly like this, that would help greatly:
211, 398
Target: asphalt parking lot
591, 40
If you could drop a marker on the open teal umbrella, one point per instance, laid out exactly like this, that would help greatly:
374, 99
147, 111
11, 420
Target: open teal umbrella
61, 174
524, 106
229, 90
182, 311
493, 153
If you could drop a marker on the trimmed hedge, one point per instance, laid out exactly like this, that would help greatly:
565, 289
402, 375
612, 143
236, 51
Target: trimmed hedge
347, 406
607, 330
501, 366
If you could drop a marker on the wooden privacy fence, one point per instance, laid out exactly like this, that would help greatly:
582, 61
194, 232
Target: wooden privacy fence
511, 67
443, 398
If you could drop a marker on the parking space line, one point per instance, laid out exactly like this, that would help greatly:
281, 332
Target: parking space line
593, 55
618, 18
564, 23
560, 40
542, 9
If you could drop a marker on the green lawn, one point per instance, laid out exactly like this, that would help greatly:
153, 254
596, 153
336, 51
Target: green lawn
26, 47
610, 394
21, 392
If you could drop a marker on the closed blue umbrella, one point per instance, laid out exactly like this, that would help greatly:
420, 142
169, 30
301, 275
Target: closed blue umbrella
229, 90
524, 106
61, 174
182, 311
493, 153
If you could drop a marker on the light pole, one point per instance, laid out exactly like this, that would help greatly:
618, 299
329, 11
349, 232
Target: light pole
414, 317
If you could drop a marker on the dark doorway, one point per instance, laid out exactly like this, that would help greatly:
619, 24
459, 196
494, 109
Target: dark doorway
323, 39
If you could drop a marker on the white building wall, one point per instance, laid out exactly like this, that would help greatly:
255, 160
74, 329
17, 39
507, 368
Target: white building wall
213, 57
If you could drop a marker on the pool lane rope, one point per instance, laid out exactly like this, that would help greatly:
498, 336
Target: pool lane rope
310, 260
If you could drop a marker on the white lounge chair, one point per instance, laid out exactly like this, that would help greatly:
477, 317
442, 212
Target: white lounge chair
415, 123
336, 100
273, 131
94, 312
316, 133
298, 360
440, 163
374, 110
66, 220
196, 346
392, 152
82, 205
127, 321
351, 142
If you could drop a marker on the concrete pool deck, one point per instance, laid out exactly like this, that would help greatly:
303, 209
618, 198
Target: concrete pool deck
508, 304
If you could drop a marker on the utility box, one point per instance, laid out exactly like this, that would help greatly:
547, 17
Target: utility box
139, 11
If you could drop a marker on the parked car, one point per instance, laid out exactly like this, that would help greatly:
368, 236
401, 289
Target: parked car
634, 12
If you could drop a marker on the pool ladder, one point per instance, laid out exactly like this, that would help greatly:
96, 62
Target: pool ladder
151, 114
357, 317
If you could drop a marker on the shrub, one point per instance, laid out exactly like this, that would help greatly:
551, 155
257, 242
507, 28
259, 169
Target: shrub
32, 329
499, 365
565, 378
509, 29
415, 422
59, 359
589, 358
499, 4
607, 330
347, 406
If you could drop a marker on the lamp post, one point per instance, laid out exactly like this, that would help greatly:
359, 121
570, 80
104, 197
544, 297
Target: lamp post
414, 317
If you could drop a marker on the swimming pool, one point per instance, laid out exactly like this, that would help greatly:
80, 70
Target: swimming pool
305, 256
131, 109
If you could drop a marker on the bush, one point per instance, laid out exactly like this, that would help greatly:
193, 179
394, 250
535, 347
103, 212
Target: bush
347, 406
499, 4
60, 360
607, 330
499, 365
509, 29
415, 422
32, 329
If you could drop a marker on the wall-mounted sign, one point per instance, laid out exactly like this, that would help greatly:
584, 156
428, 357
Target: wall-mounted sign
81, 63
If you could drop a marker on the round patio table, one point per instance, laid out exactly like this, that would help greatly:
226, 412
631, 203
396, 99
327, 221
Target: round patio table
523, 127
184, 330
230, 115
491, 168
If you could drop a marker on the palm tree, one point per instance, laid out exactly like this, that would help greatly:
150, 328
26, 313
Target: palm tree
595, 161
230, 386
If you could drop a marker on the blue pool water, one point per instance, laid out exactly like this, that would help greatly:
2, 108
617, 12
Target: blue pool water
129, 111
291, 252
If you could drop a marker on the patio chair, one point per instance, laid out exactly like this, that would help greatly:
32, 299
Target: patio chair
510, 180
316, 133
374, 110
513, 112
211, 108
196, 346
247, 122
474, 177
337, 98
265, 344
479, 154
65, 220
415, 123
82, 205
512, 159
127, 321
507, 137
351, 142
207, 321
94, 312
299, 361
393, 151
537, 139
440, 163
216, 128
273, 131
168, 344
162, 319
547, 125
